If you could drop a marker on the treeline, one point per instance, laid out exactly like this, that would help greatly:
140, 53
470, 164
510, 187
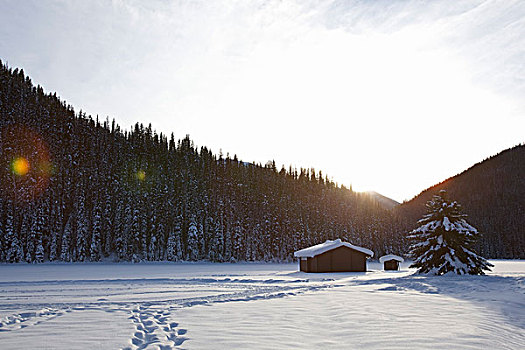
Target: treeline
492, 194
76, 188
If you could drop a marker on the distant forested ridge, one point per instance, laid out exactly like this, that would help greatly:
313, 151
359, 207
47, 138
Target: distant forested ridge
75, 188
492, 194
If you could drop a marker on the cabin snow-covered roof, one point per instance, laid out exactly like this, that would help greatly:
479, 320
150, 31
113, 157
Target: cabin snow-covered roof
318, 249
390, 257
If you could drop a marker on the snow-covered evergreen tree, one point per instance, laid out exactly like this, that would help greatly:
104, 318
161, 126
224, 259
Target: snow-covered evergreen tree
136, 235
81, 244
444, 241
152, 249
193, 240
173, 246
94, 250
123, 219
37, 229
160, 241
55, 229
66, 241
237, 240
28, 231
108, 225
39, 250
14, 250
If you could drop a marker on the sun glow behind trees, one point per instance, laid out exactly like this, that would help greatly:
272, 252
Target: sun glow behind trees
360, 107
358, 110
351, 88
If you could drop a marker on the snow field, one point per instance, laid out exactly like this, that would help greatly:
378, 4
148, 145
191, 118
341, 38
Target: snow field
256, 306
70, 329
350, 318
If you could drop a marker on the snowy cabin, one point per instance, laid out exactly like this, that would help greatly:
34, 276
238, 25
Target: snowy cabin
391, 262
333, 256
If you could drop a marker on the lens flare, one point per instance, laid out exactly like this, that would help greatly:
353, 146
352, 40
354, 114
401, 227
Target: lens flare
20, 166
27, 168
46, 167
141, 175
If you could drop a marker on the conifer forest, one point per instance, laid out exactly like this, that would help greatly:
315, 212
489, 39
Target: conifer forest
78, 188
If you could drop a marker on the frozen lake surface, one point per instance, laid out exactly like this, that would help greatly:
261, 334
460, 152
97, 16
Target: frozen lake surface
257, 306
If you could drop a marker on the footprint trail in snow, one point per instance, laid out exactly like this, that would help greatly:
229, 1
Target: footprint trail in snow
154, 330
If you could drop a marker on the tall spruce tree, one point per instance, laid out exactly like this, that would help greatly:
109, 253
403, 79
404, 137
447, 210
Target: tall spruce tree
444, 243
94, 250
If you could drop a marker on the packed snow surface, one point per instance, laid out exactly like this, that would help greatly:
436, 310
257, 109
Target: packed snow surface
257, 306
390, 257
318, 249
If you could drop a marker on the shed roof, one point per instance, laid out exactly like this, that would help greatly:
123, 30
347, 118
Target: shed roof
390, 257
318, 249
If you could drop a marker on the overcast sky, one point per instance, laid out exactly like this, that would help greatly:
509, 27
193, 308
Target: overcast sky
391, 96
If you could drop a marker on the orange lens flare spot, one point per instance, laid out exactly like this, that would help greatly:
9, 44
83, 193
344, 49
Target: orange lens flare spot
20, 166
141, 175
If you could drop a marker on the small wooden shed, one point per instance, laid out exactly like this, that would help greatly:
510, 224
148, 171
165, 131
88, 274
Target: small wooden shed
391, 262
333, 256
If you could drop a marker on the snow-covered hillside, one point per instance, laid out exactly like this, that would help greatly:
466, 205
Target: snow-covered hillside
256, 306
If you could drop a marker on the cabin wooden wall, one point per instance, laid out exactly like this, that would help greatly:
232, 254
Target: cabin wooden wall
342, 259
